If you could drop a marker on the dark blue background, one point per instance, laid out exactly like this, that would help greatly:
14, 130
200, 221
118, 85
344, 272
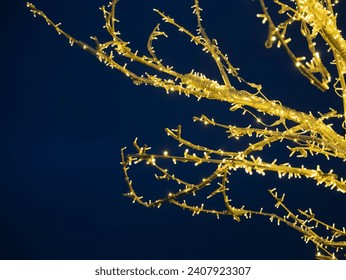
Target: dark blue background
65, 117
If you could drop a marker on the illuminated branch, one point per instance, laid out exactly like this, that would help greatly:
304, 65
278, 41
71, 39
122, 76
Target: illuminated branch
319, 15
306, 134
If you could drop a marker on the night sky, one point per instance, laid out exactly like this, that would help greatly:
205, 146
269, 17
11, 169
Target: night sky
65, 117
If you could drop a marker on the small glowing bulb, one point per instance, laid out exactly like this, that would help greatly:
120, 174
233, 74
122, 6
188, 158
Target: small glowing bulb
165, 153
